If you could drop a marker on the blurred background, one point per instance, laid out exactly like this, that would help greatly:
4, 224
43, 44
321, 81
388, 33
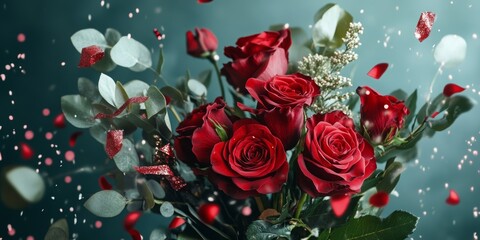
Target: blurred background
36, 72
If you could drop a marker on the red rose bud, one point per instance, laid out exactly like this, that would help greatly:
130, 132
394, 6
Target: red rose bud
451, 89
208, 212
381, 116
26, 151
130, 219
202, 44
113, 143
177, 225
378, 70
59, 121
379, 199
90, 55
453, 198
339, 204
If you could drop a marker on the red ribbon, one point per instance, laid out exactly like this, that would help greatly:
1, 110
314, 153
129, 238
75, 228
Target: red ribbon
120, 110
176, 182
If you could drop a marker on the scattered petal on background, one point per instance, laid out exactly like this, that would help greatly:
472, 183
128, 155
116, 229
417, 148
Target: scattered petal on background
339, 204
73, 138
135, 234
59, 121
176, 222
378, 70
208, 212
379, 199
26, 151
450, 51
90, 55
131, 219
451, 89
453, 198
104, 184
204, 1
424, 25
113, 144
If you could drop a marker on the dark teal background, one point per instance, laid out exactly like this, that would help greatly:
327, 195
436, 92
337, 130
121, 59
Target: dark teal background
48, 26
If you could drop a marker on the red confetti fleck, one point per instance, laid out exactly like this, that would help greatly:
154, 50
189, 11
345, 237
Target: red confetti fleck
130, 219
339, 204
90, 55
451, 89
208, 212
378, 70
424, 25
104, 184
73, 138
204, 1
453, 198
123, 107
435, 114
157, 34
114, 142
135, 234
379, 199
26, 151
59, 121
176, 223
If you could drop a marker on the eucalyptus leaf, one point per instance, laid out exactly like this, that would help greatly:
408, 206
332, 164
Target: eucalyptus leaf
112, 36
331, 25
156, 189
158, 70
25, 181
78, 111
127, 158
397, 225
205, 77
99, 133
130, 53
175, 95
157, 234
120, 94
58, 230
88, 37
105, 64
136, 88
196, 88
263, 230
146, 194
106, 87
107, 203
156, 101
89, 90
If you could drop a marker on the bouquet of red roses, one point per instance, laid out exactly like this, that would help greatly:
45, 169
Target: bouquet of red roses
285, 155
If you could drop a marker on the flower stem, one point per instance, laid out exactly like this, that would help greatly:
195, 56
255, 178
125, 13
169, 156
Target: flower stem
259, 202
175, 113
301, 202
219, 76
430, 90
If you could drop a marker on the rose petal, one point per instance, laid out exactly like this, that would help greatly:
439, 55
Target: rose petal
135, 234
339, 204
90, 55
450, 51
114, 142
424, 25
378, 70
59, 121
434, 114
130, 219
379, 199
204, 1
453, 198
451, 89
73, 138
176, 223
104, 184
26, 151
208, 212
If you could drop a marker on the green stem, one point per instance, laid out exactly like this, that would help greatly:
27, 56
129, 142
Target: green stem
301, 202
175, 113
260, 205
219, 76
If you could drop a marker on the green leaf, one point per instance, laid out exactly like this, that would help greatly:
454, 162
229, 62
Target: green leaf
136, 88
89, 90
106, 87
436, 105
121, 95
146, 194
112, 36
58, 230
331, 25
156, 101
130, 53
78, 111
105, 64
456, 105
160, 62
88, 37
411, 104
107, 203
391, 176
175, 95
397, 226
99, 133
205, 77
371, 181
399, 94
263, 230
25, 182
127, 157
196, 88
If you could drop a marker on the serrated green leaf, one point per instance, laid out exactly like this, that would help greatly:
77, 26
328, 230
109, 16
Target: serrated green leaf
112, 36
130, 53
456, 105
156, 101
88, 37
78, 111
89, 90
390, 178
58, 230
107, 203
127, 158
106, 87
263, 230
331, 25
396, 226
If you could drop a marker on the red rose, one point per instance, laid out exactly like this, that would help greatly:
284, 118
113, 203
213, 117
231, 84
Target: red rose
197, 134
202, 44
280, 104
381, 116
260, 56
336, 159
251, 162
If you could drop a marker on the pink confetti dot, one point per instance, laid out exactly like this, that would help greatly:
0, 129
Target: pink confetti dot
98, 224
3, 77
48, 136
246, 211
11, 230
48, 161
46, 112
10, 117
69, 156
68, 179
21, 37
29, 135
30, 238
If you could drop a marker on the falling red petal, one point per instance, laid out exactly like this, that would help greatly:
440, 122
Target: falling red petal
26, 151
204, 1
379, 199
59, 121
378, 70
208, 212
168, 100
114, 142
73, 138
104, 184
121, 108
434, 114
451, 89
130, 219
176, 222
135, 234
90, 55
339, 204
424, 25
453, 198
